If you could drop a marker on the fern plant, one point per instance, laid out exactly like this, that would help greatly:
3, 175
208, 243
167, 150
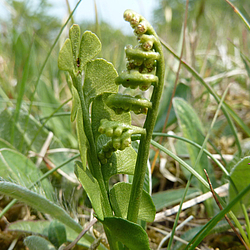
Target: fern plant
104, 127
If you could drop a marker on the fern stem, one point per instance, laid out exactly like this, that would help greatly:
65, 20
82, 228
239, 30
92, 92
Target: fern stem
143, 152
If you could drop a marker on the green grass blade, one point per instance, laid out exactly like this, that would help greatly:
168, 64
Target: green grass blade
239, 14
47, 118
237, 119
183, 163
21, 94
47, 58
195, 145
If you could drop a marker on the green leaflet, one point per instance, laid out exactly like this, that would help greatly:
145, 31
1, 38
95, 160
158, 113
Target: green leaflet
74, 54
128, 233
65, 59
240, 175
119, 197
74, 36
91, 187
90, 46
99, 78
121, 162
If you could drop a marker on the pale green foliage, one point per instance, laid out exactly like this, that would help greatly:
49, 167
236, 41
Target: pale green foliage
105, 139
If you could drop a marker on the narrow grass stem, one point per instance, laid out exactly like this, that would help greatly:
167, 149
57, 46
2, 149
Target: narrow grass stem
239, 14
247, 222
239, 226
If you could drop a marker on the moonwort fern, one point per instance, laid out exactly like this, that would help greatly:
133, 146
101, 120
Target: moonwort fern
104, 130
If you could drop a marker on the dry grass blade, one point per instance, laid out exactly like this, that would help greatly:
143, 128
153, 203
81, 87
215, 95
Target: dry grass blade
85, 230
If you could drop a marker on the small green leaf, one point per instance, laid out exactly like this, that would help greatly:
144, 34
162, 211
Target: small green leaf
121, 162
240, 175
65, 59
39, 203
37, 243
91, 187
119, 197
130, 234
89, 48
100, 78
57, 233
74, 36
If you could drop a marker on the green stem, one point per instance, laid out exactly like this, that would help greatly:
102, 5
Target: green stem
143, 152
94, 167
238, 225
